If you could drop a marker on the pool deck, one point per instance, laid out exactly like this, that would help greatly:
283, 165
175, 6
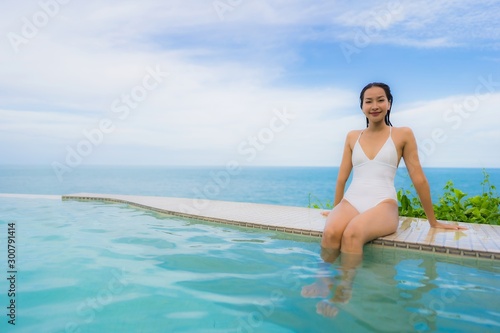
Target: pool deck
479, 240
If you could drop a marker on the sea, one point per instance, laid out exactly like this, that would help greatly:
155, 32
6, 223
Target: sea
289, 186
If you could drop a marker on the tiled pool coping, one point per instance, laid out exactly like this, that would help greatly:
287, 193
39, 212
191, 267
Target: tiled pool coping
481, 241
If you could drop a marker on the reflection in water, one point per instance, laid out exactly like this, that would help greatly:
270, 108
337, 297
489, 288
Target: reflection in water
434, 234
395, 290
340, 284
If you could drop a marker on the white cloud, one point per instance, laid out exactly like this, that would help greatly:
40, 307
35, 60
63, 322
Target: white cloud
454, 131
422, 23
221, 88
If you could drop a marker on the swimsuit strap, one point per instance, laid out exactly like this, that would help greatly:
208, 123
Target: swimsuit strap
360, 135
390, 134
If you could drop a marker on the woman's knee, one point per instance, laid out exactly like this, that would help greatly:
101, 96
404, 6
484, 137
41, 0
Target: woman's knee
331, 237
352, 235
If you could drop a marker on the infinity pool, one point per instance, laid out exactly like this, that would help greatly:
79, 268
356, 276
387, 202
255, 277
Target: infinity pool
95, 267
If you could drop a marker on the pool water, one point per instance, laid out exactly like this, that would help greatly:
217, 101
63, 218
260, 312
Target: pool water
96, 267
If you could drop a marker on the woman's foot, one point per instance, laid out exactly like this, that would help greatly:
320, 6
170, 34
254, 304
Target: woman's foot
343, 293
317, 289
327, 309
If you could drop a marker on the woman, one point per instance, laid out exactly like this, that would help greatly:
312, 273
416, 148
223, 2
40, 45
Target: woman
369, 207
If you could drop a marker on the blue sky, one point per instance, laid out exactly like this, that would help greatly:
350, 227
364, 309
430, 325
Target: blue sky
243, 81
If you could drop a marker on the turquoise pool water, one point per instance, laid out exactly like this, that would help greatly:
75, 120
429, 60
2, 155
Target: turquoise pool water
95, 267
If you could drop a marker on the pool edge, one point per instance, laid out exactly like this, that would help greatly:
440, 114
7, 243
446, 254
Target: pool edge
412, 234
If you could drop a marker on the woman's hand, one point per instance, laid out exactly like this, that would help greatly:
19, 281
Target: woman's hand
440, 225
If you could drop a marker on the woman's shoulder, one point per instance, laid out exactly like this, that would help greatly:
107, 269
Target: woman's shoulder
403, 131
403, 135
354, 133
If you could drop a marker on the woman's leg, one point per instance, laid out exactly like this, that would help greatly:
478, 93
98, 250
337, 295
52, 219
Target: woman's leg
335, 225
380, 220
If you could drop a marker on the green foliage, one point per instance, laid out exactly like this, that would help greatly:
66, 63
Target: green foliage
409, 205
454, 205
314, 202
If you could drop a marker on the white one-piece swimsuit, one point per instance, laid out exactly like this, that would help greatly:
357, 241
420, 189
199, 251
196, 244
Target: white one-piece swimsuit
372, 180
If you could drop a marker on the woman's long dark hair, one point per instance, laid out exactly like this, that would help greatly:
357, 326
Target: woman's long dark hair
387, 90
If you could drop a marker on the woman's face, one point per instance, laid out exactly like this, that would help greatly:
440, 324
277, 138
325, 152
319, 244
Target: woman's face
375, 104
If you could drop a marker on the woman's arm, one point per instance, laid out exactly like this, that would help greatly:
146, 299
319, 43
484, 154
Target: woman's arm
412, 162
344, 170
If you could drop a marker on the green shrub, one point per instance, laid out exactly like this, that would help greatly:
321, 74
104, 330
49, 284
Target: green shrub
314, 202
409, 205
452, 205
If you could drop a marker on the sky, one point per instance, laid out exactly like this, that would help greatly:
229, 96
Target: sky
243, 82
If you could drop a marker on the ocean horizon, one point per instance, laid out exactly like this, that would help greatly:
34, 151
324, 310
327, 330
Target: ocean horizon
279, 185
